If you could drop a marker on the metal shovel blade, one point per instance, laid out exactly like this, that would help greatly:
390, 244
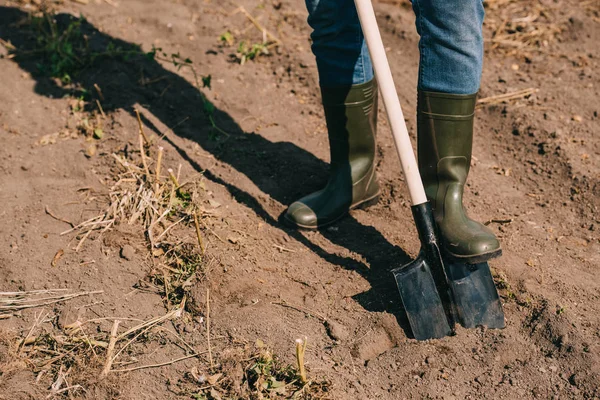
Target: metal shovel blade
422, 303
475, 298
422, 283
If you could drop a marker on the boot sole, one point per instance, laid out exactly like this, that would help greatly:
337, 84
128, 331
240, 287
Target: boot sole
477, 259
364, 204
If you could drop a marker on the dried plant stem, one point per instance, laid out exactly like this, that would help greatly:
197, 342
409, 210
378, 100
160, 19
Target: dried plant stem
38, 320
83, 239
174, 224
20, 304
506, 97
300, 350
198, 235
8, 45
159, 365
157, 171
50, 213
302, 309
141, 126
99, 91
174, 313
143, 154
100, 108
91, 221
208, 326
66, 389
173, 178
111, 348
133, 339
258, 26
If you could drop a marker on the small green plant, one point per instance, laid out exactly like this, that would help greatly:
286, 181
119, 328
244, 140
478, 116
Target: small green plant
265, 377
251, 52
179, 62
206, 81
63, 49
227, 38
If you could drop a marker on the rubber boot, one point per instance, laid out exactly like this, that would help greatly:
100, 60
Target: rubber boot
444, 144
351, 116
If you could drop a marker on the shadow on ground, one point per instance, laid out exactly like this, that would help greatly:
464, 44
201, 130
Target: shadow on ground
269, 165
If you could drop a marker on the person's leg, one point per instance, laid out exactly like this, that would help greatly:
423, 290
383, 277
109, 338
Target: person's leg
451, 48
349, 96
451, 45
338, 43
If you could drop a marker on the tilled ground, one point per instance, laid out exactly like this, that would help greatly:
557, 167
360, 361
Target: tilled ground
535, 181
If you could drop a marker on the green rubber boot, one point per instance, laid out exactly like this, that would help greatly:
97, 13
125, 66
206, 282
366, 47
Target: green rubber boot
445, 142
351, 116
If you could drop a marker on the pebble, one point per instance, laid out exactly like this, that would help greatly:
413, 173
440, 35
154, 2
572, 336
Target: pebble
127, 252
553, 368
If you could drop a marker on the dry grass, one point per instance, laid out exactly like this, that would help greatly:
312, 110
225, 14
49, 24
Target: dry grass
16, 301
72, 357
519, 26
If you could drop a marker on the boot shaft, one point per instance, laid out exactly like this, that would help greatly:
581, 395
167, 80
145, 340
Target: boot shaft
351, 117
444, 140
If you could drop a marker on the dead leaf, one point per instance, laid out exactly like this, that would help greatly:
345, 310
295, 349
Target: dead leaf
57, 257
213, 379
530, 262
90, 151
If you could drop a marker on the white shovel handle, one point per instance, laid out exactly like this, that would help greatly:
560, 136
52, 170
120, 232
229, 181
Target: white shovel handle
391, 102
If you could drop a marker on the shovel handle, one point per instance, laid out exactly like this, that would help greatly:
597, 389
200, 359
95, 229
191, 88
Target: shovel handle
393, 109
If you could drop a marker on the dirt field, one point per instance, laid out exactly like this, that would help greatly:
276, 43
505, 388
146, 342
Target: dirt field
535, 179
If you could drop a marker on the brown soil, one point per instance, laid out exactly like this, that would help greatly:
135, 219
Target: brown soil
535, 176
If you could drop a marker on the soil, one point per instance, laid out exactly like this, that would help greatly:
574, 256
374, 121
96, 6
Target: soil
535, 179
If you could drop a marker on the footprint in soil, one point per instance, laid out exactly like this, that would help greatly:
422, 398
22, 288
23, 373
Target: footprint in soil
268, 165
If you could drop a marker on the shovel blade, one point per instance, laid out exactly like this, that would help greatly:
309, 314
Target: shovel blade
476, 300
421, 300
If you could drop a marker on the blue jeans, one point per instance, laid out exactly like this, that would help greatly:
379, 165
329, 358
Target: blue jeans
451, 44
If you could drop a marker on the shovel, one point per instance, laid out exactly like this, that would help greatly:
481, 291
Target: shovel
436, 293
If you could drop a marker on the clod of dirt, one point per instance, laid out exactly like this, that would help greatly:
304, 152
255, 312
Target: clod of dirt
374, 344
68, 316
336, 331
127, 252
386, 335
197, 299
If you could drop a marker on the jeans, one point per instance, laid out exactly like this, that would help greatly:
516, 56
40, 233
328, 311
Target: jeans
450, 45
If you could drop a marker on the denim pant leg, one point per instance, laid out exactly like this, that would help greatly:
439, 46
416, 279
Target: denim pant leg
338, 43
451, 45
